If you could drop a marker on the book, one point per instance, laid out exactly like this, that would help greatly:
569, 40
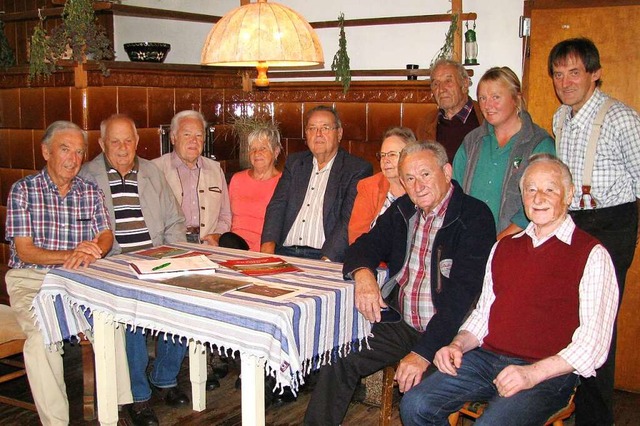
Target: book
260, 266
165, 267
162, 251
270, 291
212, 283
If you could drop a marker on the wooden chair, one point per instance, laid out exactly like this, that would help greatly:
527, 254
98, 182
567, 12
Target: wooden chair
386, 401
88, 380
475, 410
11, 343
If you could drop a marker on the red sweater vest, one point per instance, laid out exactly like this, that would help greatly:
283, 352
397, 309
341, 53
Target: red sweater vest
536, 309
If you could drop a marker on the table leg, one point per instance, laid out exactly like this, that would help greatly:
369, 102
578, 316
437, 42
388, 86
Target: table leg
252, 390
104, 350
198, 375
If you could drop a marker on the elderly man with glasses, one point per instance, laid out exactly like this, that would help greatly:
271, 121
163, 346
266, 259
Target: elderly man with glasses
310, 209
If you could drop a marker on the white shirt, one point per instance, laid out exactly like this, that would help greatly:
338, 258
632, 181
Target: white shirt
598, 304
308, 228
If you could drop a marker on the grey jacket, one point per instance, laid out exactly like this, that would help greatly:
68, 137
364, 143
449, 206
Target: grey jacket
160, 210
529, 136
213, 195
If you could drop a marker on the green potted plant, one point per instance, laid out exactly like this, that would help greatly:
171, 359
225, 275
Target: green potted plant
79, 37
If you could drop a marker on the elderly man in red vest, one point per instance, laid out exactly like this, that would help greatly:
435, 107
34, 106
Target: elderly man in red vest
544, 318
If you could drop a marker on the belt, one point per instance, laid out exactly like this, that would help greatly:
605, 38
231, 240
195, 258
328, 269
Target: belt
193, 230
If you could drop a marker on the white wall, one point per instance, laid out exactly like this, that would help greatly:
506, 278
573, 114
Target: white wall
374, 47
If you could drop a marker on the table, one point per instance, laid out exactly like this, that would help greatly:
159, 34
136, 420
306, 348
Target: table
287, 338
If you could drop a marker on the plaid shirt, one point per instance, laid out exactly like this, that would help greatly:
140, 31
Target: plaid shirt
415, 277
616, 169
35, 209
462, 115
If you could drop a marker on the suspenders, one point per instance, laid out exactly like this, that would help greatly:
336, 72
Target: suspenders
587, 201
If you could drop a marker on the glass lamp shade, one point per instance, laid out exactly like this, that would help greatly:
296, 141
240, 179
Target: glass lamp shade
261, 35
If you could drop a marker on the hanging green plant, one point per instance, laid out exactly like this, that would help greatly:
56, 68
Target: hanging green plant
341, 59
79, 37
7, 58
41, 60
446, 51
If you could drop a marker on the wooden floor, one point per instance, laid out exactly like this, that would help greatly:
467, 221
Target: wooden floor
223, 405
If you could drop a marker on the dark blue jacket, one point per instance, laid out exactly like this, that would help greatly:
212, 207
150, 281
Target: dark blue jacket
464, 242
340, 194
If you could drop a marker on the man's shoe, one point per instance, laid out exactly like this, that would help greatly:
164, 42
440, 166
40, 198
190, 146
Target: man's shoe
212, 383
220, 371
141, 414
173, 397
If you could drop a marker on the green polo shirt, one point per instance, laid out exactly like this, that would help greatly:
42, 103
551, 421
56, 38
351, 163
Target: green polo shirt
489, 174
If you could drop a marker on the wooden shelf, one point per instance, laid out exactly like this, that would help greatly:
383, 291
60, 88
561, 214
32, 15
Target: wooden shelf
148, 12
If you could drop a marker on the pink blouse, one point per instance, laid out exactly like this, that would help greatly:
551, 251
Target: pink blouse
249, 200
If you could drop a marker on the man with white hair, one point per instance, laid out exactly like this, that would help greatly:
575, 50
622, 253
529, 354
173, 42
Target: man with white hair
545, 317
197, 182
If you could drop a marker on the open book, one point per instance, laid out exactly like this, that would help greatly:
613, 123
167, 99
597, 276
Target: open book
168, 267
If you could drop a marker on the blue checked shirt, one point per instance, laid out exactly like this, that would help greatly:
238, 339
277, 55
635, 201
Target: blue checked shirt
35, 209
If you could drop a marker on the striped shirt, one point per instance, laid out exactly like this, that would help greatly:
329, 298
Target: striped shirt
598, 298
131, 230
308, 228
35, 209
415, 276
616, 170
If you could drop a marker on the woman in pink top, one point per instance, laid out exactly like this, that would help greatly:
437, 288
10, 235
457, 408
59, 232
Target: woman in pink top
250, 190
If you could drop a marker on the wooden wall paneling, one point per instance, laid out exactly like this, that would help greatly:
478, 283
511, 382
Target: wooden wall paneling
615, 32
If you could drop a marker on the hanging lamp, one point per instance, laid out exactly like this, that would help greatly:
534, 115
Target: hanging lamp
262, 34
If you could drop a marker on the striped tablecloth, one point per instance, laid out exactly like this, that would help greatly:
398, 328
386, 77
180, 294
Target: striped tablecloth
292, 336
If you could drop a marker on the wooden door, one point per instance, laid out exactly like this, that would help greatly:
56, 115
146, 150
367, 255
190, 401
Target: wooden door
613, 26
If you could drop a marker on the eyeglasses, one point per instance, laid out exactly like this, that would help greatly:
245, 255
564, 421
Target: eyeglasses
391, 155
323, 129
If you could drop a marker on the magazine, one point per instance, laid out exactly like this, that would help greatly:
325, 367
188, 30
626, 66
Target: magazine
212, 283
165, 267
271, 291
261, 266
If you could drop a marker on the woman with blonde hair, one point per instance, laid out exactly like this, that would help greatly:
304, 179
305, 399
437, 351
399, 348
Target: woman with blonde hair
492, 157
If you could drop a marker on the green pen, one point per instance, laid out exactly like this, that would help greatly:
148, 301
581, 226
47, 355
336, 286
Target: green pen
164, 265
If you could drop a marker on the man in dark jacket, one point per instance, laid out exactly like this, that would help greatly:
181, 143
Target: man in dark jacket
309, 212
435, 241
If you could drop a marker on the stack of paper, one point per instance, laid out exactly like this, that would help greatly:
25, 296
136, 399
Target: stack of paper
165, 268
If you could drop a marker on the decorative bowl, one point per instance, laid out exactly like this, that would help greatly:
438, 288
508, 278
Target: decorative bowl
147, 51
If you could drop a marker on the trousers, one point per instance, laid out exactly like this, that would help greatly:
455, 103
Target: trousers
617, 229
337, 381
164, 374
44, 365
433, 399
